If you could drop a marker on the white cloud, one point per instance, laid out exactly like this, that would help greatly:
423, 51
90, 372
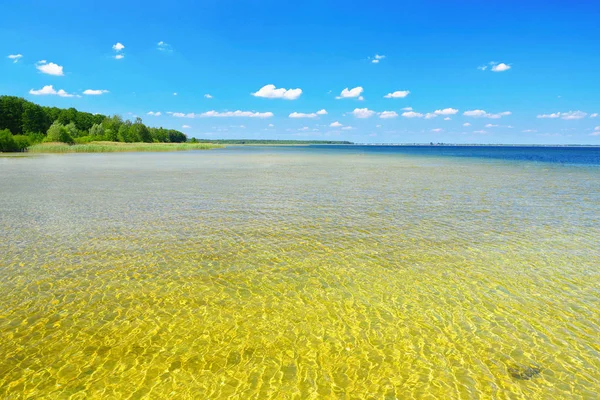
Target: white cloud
350, 93
447, 119
49, 90
594, 115
335, 124
304, 128
596, 131
437, 130
182, 115
207, 96
163, 46
347, 128
322, 112
407, 109
529, 130
271, 125
302, 115
92, 92
119, 56
388, 114
484, 114
412, 114
430, 115
360, 98
363, 113
500, 67
15, 57
376, 59
398, 94
491, 126
185, 126
466, 124
270, 92
480, 132
154, 114
238, 113
446, 111
482, 68
567, 115
118, 47
49, 68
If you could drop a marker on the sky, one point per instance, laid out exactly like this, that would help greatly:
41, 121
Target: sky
509, 72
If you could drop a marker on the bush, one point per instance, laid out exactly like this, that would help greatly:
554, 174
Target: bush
85, 139
22, 142
7, 141
58, 133
35, 137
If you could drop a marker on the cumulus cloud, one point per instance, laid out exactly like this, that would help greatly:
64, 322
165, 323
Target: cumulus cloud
207, 96
388, 114
49, 90
466, 124
322, 112
377, 58
49, 68
594, 115
93, 92
447, 119
485, 114
15, 57
412, 114
163, 46
437, 130
237, 113
118, 47
271, 92
335, 124
363, 113
302, 115
271, 125
398, 94
154, 114
596, 131
430, 115
500, 67
446, 111
491, 126
181, 115
566, 115
185, 127
350, 93
119, 56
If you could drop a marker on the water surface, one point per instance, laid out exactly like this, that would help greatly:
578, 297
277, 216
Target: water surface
302, 272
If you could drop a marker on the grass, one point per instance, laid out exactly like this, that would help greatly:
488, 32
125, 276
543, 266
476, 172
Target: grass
111, 147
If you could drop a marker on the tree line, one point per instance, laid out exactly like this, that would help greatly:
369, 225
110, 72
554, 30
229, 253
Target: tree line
23, 123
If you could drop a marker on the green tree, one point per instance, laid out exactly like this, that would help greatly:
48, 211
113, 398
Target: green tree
97, 132
58, 133
11, 114
7, 142
34, 118
141, 131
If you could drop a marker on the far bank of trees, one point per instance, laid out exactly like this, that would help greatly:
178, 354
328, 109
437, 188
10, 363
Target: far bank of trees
23, 123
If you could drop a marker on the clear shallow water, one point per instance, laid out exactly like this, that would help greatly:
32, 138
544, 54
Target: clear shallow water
298, 273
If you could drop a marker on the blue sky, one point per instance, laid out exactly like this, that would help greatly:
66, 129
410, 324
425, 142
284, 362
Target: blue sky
540, 83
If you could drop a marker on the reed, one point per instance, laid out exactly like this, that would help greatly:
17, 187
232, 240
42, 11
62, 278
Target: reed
111, 147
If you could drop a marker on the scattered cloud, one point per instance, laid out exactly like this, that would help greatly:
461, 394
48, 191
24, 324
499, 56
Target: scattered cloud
594, 115
302, 115
596, 131
271, 125
529, 131
447, 119
119, 56
15, 57
49, 68
49, 90
238, 113
491, 126
388, 114
446, 111
163, 46
322, 112
351, 93
118, 47
304, 128
407, 109
377, 58
92, 92
347, 128
484, 114
154, 114
208, 96
363, 113
335, 124
482, 132
271, 92
185, 127
500, 67
567, 115
398, 94
437, 130
182, 115
412, 114
430, 115
466, 124
482, 67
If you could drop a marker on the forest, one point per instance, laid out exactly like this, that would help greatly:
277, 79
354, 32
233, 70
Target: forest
23, 123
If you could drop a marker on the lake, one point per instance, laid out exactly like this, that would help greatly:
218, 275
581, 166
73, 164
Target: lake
356, 272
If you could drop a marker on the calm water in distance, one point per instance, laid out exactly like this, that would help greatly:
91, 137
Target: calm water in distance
356, 272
